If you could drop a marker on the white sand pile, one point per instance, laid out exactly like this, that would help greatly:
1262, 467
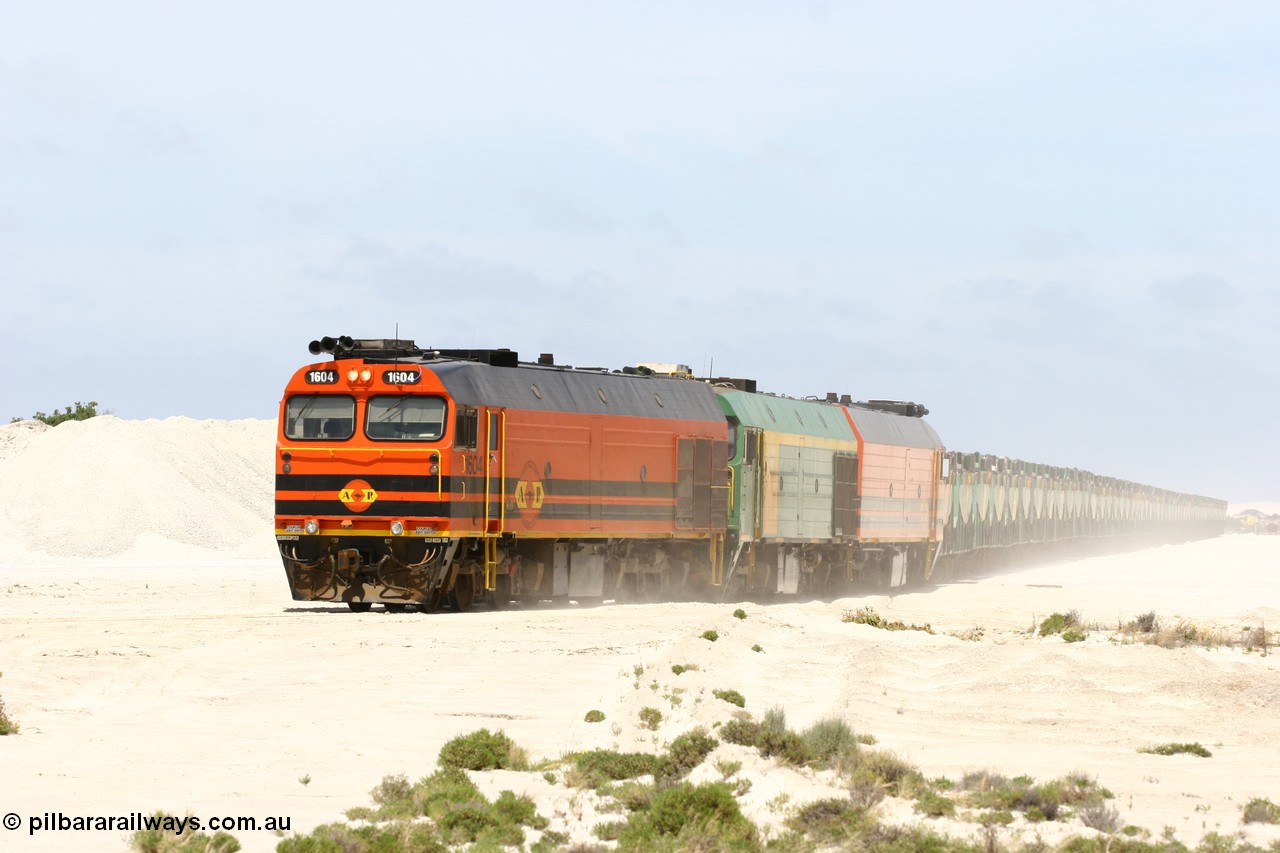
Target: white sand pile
111, 488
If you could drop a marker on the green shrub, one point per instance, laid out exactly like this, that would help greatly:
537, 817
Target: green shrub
7, 725
898, 776
594, 716
710, 635
757, 648
829, 739
1059, 622
458, 812
609, 831
733, 697
1073, 635
650, 718
601, 765
468, 822
739, 614
483, 750
681, 668
340, 838
829, 821
442, 791
1259, 810
868, 616
165, 838
684, 817
741, 730
1176, 748
775, 719
685, 753
519, 810
1038, 802
932, 804
785, 745
395, 797
81, 412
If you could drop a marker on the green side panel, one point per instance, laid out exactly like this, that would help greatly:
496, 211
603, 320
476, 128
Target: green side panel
794, 496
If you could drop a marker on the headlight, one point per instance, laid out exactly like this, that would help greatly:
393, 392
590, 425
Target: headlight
397, 528
313, 527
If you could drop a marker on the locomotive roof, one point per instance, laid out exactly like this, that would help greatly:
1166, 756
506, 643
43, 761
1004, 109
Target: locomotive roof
887, 428
580, 391
827, 420
786, 414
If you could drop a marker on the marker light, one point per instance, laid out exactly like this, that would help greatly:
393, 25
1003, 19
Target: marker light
352, 375
366, 375
434, 469
397, 528
313, 526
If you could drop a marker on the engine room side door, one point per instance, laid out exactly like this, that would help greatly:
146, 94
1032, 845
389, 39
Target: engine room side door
844, 496
748, 485
494, 471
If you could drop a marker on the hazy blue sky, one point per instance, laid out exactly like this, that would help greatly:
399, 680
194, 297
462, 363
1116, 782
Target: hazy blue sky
1056, 224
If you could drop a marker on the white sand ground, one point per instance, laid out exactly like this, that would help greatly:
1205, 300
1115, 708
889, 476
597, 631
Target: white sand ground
173, 676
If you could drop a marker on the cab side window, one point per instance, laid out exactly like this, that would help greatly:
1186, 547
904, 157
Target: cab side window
465, 428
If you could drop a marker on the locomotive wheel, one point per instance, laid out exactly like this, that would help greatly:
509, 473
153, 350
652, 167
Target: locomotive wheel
501, 595
431, 603
463, 593
395, 607
360, 606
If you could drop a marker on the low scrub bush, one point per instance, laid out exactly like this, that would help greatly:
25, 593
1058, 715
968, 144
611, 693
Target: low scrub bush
741, 730
739, 614
710, 635
785, 745
483, 750
594, 716
690, 817
895, 775
1177, 748
81, 412
389, 837
458, 814
650, 718
1074, 635
1100, 816
868, 616
829, 740
1047, 801
681, 668
1147, 623
932, 804
1059, 622
164, 839
604, 765
7, 724
1259, 810
830, 822
685, 753
733, 697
